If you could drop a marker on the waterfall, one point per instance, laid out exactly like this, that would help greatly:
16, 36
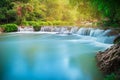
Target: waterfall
105, 39
99, 34
56, 29
93, 32
84, 31
64, 30
60, 30
46, 29
74, 30
25, 29
96, 32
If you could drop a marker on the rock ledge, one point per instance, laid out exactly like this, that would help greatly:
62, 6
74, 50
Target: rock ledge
109, 60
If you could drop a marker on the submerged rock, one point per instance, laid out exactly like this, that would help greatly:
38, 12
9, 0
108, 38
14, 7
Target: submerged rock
109, 60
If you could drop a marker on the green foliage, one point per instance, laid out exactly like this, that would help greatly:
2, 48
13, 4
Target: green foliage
43, 23
110, 77
60, 23
59, 12
11, 16
37, 28
6, 12
57, 22
25, 23
9, 27
87, 12
105, 10
107, 24
110, 9
47, 23
36, 10
33, 23
36, 25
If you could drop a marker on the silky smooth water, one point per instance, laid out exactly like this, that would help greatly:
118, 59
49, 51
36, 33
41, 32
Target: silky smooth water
48, 57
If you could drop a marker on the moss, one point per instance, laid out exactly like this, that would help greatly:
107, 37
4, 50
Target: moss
112, 76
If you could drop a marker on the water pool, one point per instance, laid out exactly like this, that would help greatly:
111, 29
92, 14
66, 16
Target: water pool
49, 57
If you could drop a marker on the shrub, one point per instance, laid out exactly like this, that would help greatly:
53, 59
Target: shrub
9, 27
40, 23
46, 23
33, 23
49, 23
110, 77
37, 28
30, 23
25, 23
115, 25
56, 22
36, 23
62, 23
108, 24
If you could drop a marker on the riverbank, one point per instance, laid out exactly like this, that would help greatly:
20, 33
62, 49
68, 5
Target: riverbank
108, 61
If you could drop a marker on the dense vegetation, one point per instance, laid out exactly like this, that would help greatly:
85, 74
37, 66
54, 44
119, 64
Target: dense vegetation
9, 27
60, 12
20, 11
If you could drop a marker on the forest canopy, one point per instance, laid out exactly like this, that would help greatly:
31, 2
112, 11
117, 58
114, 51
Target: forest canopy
71, 11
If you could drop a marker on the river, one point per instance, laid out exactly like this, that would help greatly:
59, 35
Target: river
36, 56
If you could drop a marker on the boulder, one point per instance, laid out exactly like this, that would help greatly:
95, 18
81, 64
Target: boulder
109, 60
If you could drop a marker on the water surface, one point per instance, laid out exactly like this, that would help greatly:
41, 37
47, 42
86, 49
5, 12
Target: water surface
48, 57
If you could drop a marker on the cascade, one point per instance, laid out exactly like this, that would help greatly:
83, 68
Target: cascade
46, 29
93, 32
96, 32
84, 31
99, 34
25, 29
60, 30
74, 30
64, 30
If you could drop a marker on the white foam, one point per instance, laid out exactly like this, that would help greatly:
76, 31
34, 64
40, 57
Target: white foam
37, 32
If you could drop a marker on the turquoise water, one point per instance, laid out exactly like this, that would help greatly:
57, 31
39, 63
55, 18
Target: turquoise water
48, 57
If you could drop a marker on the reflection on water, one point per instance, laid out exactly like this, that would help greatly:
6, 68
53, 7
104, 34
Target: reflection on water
48, 57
